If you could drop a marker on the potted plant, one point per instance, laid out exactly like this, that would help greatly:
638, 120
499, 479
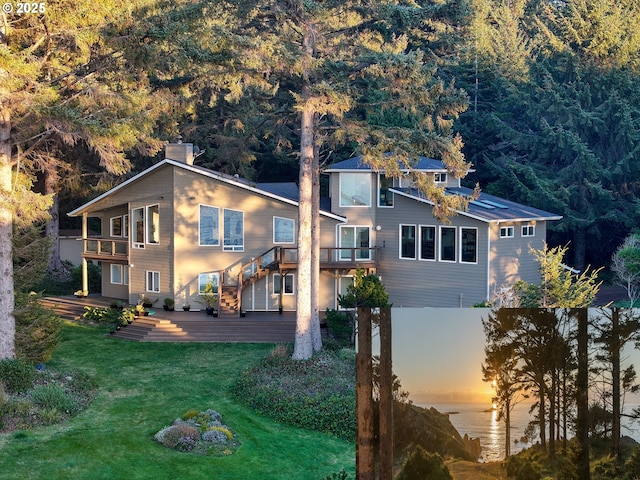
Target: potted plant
209, 300
81, 293
146, 301
140, 310
186, 307
169, 304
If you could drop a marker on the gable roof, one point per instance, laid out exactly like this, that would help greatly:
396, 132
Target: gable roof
486, 208
358, 164
283, 192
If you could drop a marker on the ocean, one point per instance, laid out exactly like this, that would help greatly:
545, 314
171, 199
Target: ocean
477, 421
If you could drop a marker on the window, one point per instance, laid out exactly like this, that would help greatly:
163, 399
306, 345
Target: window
385, 197
284, 230
343, 285
153, 281
205, 279
440, 177
137, 226
448, 244
233, 230
427, 243
116, 274
125, 224
287, 284
355, 189
352, 238
209, 229
506, 232
115, 226
153, 224
408, 241
528, 231
468, 245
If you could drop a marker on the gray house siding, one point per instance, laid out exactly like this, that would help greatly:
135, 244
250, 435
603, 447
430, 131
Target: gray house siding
436, 283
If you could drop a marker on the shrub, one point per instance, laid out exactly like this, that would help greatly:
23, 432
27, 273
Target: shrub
52, 397
340, 327
522, 467
215, 436
94, 273
190, 414
37, 329
632, 465
422, 464
173, 434
17, 374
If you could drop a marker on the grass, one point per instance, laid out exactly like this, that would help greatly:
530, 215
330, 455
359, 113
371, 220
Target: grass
145, 386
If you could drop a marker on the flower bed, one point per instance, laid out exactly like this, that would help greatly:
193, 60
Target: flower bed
201, 433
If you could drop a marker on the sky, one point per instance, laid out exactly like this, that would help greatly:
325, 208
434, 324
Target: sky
438, 353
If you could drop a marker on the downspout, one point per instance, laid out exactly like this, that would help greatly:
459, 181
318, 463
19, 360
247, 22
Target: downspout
488, 260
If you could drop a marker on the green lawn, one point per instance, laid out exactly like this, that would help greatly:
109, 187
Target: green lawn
144, 387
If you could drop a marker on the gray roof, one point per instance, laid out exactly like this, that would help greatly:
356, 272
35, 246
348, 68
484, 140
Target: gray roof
357, 163
487, 208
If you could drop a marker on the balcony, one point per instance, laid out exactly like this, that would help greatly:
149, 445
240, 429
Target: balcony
333, 258
116, 251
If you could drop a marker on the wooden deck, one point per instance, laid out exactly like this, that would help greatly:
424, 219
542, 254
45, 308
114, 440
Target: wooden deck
192, 326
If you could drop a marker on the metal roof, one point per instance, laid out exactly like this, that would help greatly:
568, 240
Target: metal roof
486, 208
357, 163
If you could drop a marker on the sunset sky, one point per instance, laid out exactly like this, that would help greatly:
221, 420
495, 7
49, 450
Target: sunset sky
438, 354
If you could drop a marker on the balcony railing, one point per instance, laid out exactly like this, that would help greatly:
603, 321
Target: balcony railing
334, 257
101, 248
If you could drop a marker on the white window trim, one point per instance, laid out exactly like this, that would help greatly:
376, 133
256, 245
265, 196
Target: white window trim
147, 224
117, 267
477, 246
274, 230
208, 275
217, 240
340, 245
133, 229
232, 248
276, 282
455, 248
435, 244
111, 226
415, 240
378, 191
125, 225
507, 229
525, 228
153, 287
368, 205
440, 177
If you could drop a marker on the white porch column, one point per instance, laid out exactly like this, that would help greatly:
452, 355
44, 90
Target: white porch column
85, 274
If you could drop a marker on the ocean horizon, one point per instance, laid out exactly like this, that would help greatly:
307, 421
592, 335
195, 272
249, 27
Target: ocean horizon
478, 420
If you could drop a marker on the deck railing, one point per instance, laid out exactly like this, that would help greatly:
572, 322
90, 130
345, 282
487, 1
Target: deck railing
102, 247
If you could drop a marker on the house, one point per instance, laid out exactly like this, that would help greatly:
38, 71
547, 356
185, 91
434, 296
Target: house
176, 227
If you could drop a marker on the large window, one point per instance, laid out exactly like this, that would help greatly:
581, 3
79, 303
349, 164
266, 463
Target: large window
468, 245
427, 242
354, 238
287, 284
355, 189
152, 281
448, 244
233, 230
125, 225
153, 224
284, 230
209, 229
408, 241
137, 225
205, 279
385, 197
528, 231
119, 274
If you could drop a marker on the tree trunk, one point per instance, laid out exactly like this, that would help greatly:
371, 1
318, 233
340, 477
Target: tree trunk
316, 337
582, 397
542, 414
7, 319
615, 376
385, 434
507, 427
303, 347
52, 228
365, 457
